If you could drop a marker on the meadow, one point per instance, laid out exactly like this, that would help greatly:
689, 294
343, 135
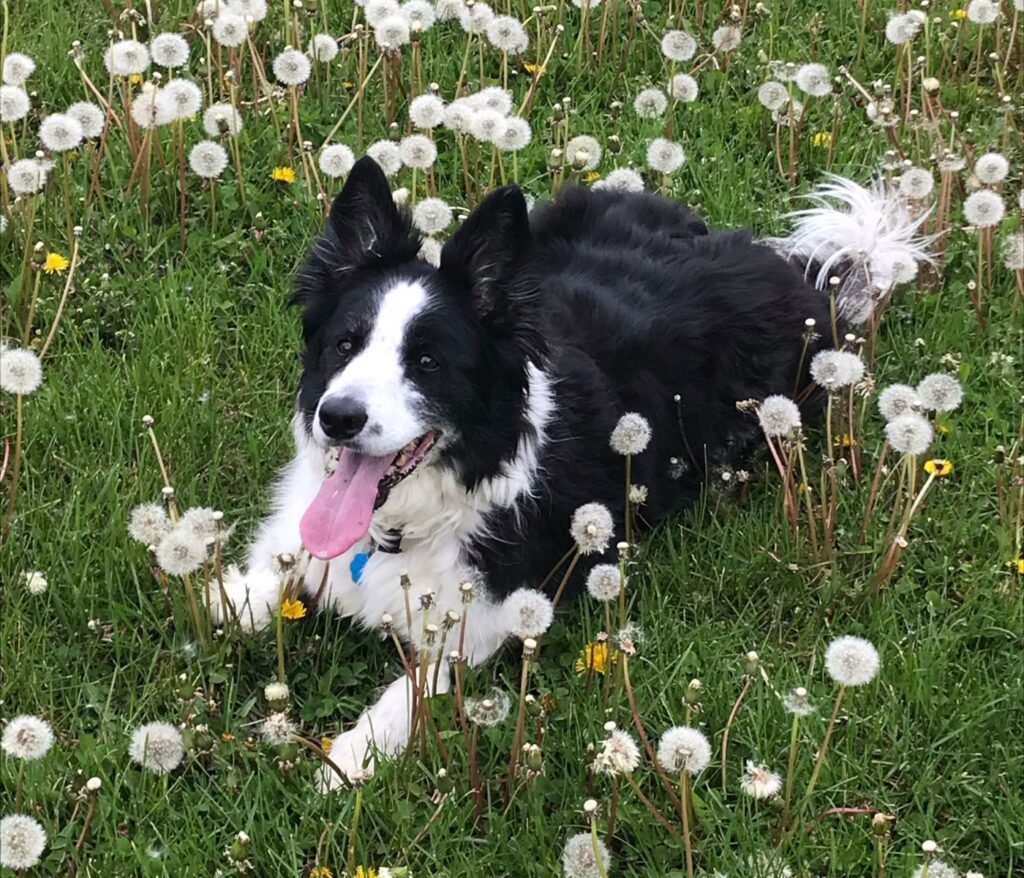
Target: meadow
145, 327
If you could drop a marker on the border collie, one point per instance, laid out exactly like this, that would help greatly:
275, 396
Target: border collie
450, 420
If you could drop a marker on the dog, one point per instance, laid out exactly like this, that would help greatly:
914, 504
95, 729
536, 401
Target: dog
450, 419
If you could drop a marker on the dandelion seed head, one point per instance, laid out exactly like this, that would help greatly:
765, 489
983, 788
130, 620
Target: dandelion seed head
148, 524
27, 737
203, 522
515, 134
90, 117
336, 160
292, 67
489, 711
683, 87
17, 68
376, 11
417, 151
60, 132
901, 28
492, 98
773, 95
392, 32
991, 168
578, 858
158, 747
277, 728
208, 159
982, 12
778, 415
916, 183
222, 119
1013, 251
426, 111
583, 152
420, 14
452, 9
797, 702
459, 114
126, 58
36, 582
664, 156
507, 35
592, 528
851, 661
22, 842
984, 209
180, 552
185, 96
650, 103
789, 114
529, 613
759, 782
386, 154
480, 16
324, 48
619, 755
276, 691
431, 216
21, 371
631, 435
169, 50
487, 126
430, 251
604, 582
936, 869
684, 748
14, 103
25, 177
230, 30
898, 399
726, 38
909, 433
834, 369
940, 392
678, 45
152, 108
814, 79
621, 180
253, 10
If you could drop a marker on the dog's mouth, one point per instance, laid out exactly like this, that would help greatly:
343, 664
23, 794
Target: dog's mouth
340, 514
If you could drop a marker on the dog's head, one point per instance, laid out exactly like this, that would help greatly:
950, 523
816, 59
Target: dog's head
406, 365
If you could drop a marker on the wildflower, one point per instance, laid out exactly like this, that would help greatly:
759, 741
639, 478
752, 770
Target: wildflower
529, 613
772, 95
759, 782
292, 67
229, 30
22, 841
619, 755
935, 869
778, 416
36, 582
148, 524
792, 115
420, 14
157, 747
431, 216
814, 79
579, 859
221, 119
938, 466
293, 608
664, 156
417, 151
254, 10
17, 68
683, 87
834, 369
604, 582
514, 136
822, 138
126, 58
492, 98
185, 97
324, 48
940, 392
336, 160
982, 11
392, 32
898, 399
487, 125
386, 154
430, 251
365, 872
151, 108
916, 183
1013, 252
683, 748
27, 737
797, 703
595, 658
851, 661
277, 728
532, 69
426, 111
490, 711
55, 263
169, 50
678, 45
276, 691
60, 132
909, 434
21, 373
622, 180
449, 9
283, 174
591, 528
650, 103
959, 14
480, 16
202, 522
583, 152
322, 872
90, 117
180, 552
631, 435
984, 209
991, 168
900, 29
378, 10
208, 159
507, 35
14, 103
726, 38
629, 638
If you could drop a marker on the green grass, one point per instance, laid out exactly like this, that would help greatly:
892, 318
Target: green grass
202, 341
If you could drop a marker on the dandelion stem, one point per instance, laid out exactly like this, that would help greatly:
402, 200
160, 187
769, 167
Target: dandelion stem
63, 299
350, 860
748, 679
684, 795
820, 761
598, 859
790, 769
19, 429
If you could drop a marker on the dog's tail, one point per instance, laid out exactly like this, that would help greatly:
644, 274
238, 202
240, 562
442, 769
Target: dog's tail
856, 242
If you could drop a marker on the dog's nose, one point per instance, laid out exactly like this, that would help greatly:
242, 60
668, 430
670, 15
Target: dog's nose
342, 417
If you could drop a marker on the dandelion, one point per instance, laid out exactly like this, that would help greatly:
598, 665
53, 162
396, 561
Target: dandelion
185, 97
417, 151
796, 702
683, 88
324, 48
583, 152
622, 180
169, 50
940, 392
492, 98
631, 435
276, 691
21, 372
579, 859
459, 115
851, 661
420, 14
392, 32
507, 35
292, 67
650, 103
60, 132
814, 79
898, 399
90, 117
202, 522
619, 755
277, 728
148, 524
14, 103
229, 30
336, 160
778, 416
909, 434
822, 138
22, 842
126, 58
490, 711
36, 582
180, 552
684, 749
514, 136
157, 747
604, 582
759, 782
208, 159
487, 125
773, 95
221, 119
426, 111
254, 10
387, 155
938, 467
591, 528
984, 209
378, 10
991, 168
726, 38
900, 29
480, 16
27, 737
529, 613
834, 369
17, 68
55, 263
678, 45
595, 658
151, 108
935, 869
431, 216
664, 156
283, 174
916, 183
982, 11
293, 609
1013, 252
430, 251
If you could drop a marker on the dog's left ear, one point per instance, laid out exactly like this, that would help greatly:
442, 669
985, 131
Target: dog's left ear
486, 247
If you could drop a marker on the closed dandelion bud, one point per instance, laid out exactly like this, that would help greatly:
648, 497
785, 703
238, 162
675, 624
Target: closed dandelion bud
444, 783
93, 784
260, 222
394, 132
404, 580
880, 825
147, 421
532, 757
239, 847
168, 493
533, 706
751, 664
614, 144
451, 619
693, 692
555, 160
590, 808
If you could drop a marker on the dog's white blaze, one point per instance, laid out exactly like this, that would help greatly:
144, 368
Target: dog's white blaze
376, 375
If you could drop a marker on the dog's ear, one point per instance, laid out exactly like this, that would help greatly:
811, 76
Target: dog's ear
482, 253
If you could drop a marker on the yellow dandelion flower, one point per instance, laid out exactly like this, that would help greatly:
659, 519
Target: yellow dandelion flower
941, 428
958, 13
591, 176
293, 609
822, 138
347, 83
135, 78
594, 656
938, 467
1016, 564
55, 263
365, 872
326, 743
283, 174
844, 441
533, 68
321, 872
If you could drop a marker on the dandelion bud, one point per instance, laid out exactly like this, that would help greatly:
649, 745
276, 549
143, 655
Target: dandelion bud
532, 757
752, 664
693, 692
168, 493
404, 581
386, 623
929, 847
590, 807
533, 707
529, 647
444, 783
880, 825
147, 421
239, 849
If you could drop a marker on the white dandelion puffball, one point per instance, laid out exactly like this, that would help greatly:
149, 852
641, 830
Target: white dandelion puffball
909, 433
664, 156
984, 209
276, 691
631, 434
126, 58
900, 29
25, 177
252, 10
392, 32
430, 251
417, 151
604, 582
916, 183
898, 399
27, 737
778, 415
492, 98
336, 160
1013, 252
431, 216
60, 132
22, 841
324, 48
203, 522
278, 729
377, 10
14, 103
36, 582
292, 67
650, 103
939, 392
222, 119
459, 115
480, 16
684, 748
726, 38
683, 87
489, 711
487, 125
773, 95
21, 372
579, 859
814, 79
583, 152
208, 159
619, 754
528, 613
426, 111
169, 50
621, 180
792, 114
514, 136
678, 45
17, 68
148, 524
151, 108
420, 14
157, 747
851, 661
759, 782
834, 369
938, 869
186, 98
90, 117
991, 168
507, 35
180, 552
797, 702
386, 154
592, 528
230, 30
982, 11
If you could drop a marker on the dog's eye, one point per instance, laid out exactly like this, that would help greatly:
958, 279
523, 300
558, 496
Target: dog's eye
344, 347
428, 363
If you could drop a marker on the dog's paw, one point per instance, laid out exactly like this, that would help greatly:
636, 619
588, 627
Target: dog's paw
352, 753
252, 596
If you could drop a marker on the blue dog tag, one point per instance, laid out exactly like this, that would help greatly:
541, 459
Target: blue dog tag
357, 565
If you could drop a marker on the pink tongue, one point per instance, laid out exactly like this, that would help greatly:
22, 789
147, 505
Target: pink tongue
340, 515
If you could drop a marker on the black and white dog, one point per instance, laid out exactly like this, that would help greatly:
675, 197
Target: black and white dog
450, 420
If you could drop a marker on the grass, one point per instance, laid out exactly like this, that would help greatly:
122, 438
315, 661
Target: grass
202, 341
